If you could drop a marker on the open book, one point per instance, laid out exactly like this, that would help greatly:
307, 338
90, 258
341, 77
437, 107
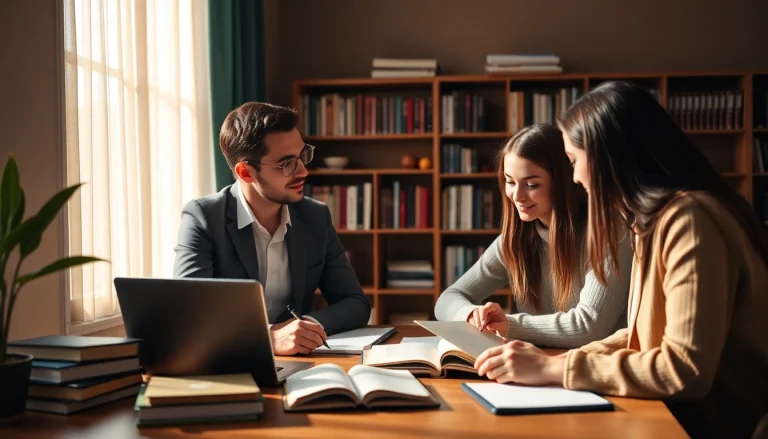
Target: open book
327, 386
433, 357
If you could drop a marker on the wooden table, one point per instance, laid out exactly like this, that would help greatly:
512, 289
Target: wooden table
458, 416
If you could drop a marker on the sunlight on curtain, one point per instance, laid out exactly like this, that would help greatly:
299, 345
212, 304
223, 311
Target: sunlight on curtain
138, 135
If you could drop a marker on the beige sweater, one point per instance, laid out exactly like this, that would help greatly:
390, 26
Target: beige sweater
698, 330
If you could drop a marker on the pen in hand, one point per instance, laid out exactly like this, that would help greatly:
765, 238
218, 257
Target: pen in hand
296, 316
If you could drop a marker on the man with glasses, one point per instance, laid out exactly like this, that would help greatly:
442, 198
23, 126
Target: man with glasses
262, 227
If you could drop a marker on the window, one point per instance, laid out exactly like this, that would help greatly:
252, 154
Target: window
138, 135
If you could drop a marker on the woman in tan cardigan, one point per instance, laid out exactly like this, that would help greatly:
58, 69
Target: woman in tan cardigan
697, 336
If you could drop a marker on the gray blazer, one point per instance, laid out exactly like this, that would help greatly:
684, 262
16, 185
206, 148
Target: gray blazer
211, 246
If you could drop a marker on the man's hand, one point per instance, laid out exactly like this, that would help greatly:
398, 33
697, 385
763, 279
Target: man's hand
489, 317
296, 337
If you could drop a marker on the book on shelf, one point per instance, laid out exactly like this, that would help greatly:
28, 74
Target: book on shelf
458, 259
462, 112
468, 207
328, 387
458, 159
505, 64
334, 114
75, 348
405, 206
434, 357
404, 68
351, 206
539, 106
198, 399
410, 274
707, 110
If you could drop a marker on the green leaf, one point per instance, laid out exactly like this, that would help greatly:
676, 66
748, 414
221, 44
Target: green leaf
44, 217
61, 264
19, 215
18, 234
10, 189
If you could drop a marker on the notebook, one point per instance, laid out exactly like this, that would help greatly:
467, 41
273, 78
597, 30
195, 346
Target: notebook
434, 357
355, 341
510, 399
75, 348
327, 386
463, 335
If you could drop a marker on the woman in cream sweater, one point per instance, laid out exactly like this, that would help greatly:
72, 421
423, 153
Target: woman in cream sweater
697, 335
540, 255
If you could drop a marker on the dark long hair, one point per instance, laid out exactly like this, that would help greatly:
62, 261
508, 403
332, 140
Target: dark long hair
638, 161
520, 243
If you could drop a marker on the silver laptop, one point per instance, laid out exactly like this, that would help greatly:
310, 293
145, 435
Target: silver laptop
202, 327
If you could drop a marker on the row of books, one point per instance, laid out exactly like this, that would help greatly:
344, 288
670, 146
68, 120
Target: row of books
360, 114
458, 259
466, 207
508, 64
462, 112
410, 274
351, 206
707, 110
458, 159
405, 206
539, 107
404, 68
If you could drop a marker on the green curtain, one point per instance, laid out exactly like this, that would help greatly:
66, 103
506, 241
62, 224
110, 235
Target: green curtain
236, 29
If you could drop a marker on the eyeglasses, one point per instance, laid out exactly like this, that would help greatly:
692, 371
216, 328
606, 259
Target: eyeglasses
289, 166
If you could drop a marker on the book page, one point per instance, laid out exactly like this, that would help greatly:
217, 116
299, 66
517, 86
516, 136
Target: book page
431, 340
354, 340
318, 381
372, 382
390, 354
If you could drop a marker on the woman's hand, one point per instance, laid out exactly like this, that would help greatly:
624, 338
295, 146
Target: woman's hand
522, 363
489, 317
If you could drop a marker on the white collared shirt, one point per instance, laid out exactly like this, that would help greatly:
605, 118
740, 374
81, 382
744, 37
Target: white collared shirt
272, 254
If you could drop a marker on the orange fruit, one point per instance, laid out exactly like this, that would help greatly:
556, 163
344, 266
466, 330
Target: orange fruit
425, 163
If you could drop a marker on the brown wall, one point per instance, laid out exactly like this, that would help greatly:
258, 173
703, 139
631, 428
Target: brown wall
29, 129
339, 38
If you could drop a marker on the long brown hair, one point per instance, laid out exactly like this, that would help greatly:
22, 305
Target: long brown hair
638, 161
520, 242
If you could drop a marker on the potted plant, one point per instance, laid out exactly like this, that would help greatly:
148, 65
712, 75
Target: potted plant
19, 238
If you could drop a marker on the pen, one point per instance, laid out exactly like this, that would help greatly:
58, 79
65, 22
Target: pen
296, 316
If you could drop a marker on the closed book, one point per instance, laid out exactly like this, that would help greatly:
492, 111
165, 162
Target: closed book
214, 412
83, 389
166, 390
75, 348
57, 372
66, 407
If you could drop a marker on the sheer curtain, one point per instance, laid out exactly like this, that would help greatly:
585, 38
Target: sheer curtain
138, 130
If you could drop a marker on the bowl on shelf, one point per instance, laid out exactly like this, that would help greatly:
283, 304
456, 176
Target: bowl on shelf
336, 162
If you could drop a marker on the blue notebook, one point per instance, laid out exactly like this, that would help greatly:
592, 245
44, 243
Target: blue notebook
510, 399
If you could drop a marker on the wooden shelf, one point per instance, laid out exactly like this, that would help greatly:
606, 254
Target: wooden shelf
377, 137
406, 291
393, 171
379, 156
405, 231
471, 232
354, 232
469, 175
476, 135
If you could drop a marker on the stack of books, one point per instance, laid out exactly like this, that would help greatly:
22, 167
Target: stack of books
410, 274
509, 64
74, 373
404, 68
166, 401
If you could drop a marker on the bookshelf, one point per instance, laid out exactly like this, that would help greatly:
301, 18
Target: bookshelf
459, 122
